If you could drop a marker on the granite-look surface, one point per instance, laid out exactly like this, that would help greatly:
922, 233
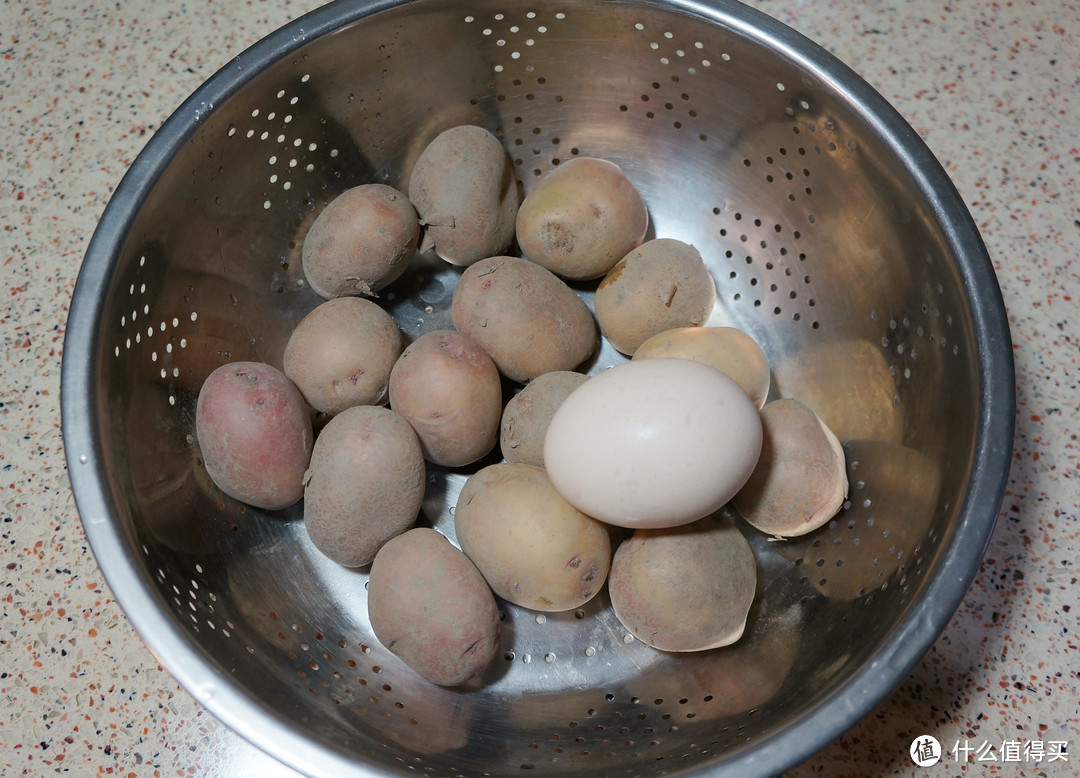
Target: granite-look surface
993, 88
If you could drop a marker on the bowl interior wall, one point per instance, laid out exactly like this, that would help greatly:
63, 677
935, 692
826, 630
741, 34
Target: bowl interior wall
821, 249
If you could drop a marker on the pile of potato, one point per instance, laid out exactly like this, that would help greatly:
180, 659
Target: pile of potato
656, 445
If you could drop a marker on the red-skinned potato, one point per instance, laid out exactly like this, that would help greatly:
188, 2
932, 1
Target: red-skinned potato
341, 354
524, 316
254, 431
365, 483
360, 242
451, 393
430, 606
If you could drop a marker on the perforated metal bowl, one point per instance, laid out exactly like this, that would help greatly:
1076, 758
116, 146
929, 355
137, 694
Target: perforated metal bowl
835, 238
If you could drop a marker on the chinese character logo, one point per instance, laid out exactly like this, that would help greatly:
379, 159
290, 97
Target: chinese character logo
925, 751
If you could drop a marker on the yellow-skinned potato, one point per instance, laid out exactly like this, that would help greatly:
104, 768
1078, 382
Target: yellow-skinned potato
685, 588
524, 316
661, 285
534, 548
451, 393
429, 605
728, 349
582, 218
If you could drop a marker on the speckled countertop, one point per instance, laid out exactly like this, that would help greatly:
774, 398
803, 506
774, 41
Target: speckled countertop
993, 88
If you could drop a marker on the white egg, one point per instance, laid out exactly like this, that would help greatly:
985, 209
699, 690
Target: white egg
655, 443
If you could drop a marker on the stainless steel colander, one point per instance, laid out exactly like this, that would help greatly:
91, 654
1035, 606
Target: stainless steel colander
835, 238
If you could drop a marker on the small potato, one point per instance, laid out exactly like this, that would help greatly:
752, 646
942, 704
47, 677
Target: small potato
534, 548
360, 242
255, 434
686, 588
365, 483
800, 480
450, 391
582, 218
661, 285
341, 354
729, 350
524, 316
526, 416
429, 605
464, 190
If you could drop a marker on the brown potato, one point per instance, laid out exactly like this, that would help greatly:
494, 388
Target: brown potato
430, 606
729, 350
524, 316
661, 285
365, 483
526, 416
451, 393
534, 548
582, 218
341, 354
464, 190
800, 480
255, 434
685, 588
360, 242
